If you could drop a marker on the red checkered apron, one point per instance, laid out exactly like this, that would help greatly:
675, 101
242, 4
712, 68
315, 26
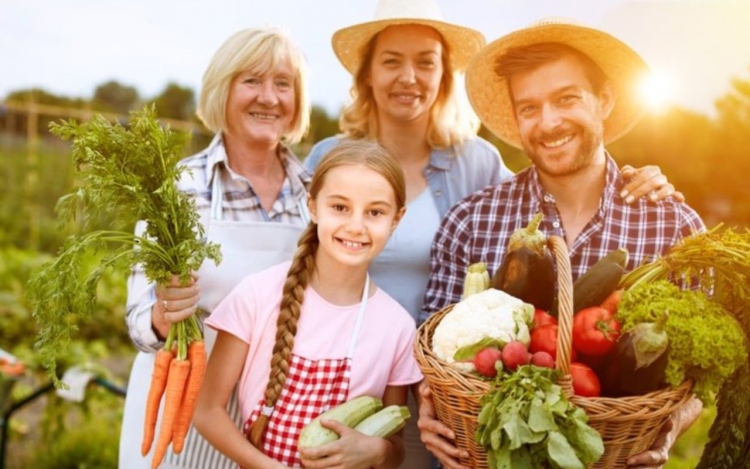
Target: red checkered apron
311, 388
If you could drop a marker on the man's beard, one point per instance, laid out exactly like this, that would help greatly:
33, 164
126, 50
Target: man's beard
590, 139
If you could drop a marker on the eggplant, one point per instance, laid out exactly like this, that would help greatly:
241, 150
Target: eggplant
638, 363
527, 271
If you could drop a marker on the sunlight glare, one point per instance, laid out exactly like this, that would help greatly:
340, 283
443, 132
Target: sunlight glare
657, 90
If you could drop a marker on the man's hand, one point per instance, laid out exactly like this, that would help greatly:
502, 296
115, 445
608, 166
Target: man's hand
436, 436
680, 420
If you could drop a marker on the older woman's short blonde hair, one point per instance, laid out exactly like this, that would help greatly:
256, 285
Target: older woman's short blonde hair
452, 121
260, 50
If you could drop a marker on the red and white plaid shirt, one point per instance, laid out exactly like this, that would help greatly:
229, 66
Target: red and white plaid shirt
477, 229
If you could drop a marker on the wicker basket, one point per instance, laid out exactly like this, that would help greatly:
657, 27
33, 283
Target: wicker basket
628, 425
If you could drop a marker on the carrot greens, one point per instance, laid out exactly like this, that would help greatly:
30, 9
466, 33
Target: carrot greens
131, 171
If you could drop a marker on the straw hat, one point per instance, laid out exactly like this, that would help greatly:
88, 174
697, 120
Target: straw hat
489, 94
462, 42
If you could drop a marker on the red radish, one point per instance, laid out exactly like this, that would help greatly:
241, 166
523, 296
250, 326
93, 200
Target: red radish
543, 359
484, 361
515, 355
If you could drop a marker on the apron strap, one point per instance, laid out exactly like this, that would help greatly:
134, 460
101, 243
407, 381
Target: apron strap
360, 316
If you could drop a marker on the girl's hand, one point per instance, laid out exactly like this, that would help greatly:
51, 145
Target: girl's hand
352, 450
647, 181
174, 302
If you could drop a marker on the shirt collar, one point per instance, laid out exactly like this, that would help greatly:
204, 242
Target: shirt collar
612, 186
442, 158
296, 173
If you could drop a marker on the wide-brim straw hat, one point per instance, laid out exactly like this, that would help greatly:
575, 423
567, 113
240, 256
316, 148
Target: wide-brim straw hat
349, 42
490, 97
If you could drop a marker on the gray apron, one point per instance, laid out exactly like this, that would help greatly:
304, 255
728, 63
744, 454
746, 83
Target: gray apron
246, 247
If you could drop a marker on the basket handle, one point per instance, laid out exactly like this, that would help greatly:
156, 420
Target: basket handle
564, 309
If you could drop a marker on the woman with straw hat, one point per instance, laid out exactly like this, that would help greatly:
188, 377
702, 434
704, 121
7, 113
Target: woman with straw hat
406, 66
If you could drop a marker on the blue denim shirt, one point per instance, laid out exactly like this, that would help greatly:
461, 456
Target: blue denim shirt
451, 174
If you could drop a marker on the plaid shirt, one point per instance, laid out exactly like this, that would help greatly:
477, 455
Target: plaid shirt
240, 203
478, 228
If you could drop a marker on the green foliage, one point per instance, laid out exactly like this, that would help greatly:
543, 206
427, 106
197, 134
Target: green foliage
113, 96
88, 441
175, 102
706, 345
527, 422
132, 172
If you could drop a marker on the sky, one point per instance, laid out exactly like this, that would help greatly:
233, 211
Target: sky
68, 47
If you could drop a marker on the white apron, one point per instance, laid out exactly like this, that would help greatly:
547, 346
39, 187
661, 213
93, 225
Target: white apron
246, 247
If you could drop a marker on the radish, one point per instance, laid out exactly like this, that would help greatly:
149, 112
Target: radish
484, 361
543, 359
515, 355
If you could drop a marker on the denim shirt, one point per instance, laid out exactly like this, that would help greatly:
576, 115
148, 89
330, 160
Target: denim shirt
451, 173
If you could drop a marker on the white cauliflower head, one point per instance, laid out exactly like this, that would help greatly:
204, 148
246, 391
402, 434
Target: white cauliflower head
490, 314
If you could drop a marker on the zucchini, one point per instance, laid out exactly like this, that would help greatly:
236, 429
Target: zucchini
385, 422
598, 282
350, 413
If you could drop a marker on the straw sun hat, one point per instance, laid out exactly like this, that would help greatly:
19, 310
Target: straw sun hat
349, 42
489, 94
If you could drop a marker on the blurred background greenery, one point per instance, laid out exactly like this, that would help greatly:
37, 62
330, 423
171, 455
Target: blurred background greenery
705, 157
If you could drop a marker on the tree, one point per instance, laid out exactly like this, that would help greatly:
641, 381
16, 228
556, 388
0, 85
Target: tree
731, 148
175, 102
115, 97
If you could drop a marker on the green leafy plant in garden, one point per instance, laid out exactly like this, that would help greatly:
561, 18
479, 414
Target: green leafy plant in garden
131, 172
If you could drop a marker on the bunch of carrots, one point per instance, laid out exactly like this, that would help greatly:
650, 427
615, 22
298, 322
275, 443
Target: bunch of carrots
179, 368
132, 171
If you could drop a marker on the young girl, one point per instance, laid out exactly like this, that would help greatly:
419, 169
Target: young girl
307, 335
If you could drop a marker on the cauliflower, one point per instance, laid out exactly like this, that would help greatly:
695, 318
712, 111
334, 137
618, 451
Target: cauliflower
490, 314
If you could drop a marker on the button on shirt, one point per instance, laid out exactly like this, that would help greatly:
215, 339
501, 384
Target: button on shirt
240, 203
478, 228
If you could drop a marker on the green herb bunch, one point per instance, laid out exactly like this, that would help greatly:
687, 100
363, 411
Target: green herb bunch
527, 422
706, 344
131, 172
720, 259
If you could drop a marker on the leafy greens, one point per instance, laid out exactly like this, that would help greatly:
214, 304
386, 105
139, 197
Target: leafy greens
132, 172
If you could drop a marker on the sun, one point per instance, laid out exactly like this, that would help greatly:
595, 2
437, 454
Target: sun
657, 90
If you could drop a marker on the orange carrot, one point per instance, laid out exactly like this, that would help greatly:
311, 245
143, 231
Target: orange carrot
158, 383
176, 380
197, 357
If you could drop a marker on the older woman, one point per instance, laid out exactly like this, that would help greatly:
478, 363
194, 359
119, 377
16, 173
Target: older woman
250, 193
405, 66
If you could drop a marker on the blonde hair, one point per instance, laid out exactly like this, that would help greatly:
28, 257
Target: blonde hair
260, 50
367, 153
452, 121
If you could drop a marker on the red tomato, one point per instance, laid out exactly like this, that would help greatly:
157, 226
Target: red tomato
585, 381
542, 318
595, 331
544, 339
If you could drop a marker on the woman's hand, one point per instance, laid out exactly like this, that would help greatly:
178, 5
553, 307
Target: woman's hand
436, 436
174, 302
656, 456
352, 450
647, 181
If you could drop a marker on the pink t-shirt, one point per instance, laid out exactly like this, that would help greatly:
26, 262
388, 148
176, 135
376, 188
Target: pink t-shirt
383, 355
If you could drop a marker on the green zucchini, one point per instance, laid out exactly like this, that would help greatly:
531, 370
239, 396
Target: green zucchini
598, 282
350, 413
